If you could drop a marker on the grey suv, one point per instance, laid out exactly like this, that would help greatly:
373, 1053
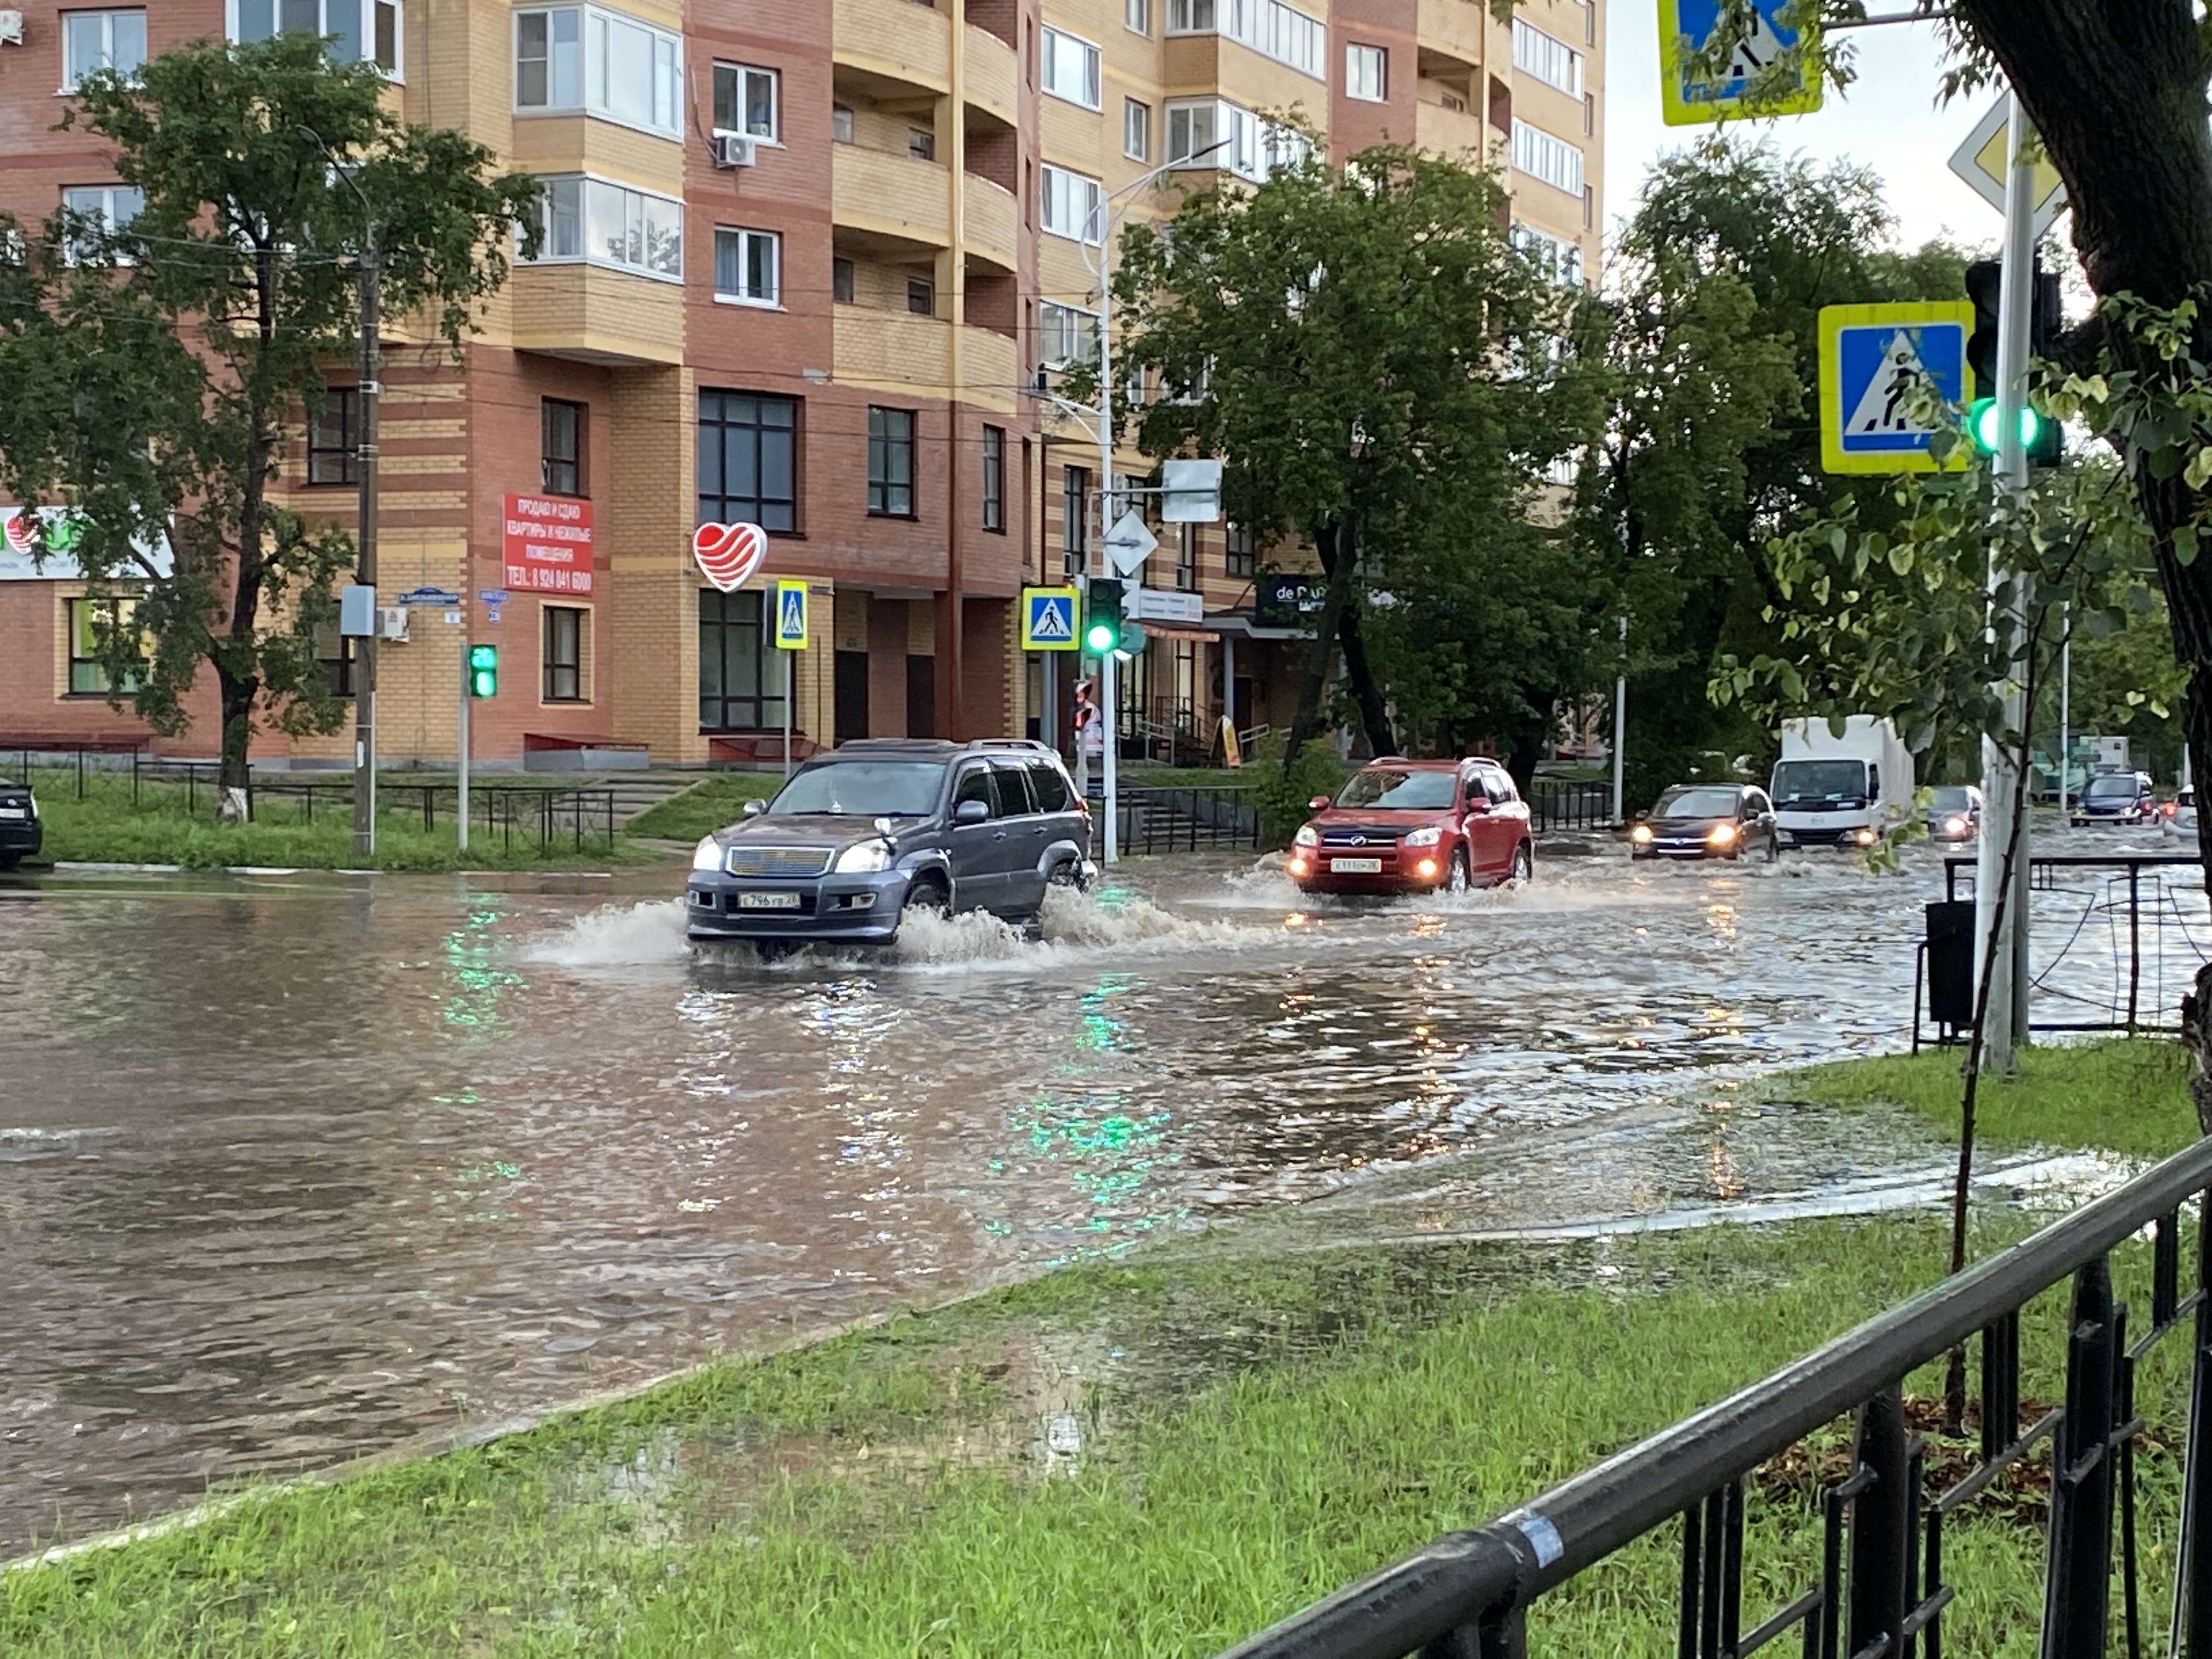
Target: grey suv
881, 825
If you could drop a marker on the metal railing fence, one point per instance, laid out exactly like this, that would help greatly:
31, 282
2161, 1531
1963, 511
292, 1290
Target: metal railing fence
1180, 819
1570, 803
1881, 1587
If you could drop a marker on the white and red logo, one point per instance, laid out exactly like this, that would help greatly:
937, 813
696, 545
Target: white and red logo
729, 553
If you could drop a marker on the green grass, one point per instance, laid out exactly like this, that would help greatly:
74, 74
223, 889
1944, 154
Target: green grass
716, 800
1276, 1425
2125, 1095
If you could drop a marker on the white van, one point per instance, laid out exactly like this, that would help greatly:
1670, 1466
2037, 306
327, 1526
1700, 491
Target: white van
1848, 791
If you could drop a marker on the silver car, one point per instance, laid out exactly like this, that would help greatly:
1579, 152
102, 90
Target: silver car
1954, 812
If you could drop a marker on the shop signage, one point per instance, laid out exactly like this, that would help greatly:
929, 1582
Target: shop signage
1288, 601
546, 544
729, 553
40, 544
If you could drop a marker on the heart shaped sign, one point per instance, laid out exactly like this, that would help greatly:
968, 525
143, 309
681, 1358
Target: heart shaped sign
729, 553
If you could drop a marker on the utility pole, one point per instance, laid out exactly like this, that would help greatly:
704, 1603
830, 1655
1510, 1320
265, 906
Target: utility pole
2065, 700
468, 694
1619, 726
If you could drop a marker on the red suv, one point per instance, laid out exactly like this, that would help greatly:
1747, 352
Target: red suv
1402, 826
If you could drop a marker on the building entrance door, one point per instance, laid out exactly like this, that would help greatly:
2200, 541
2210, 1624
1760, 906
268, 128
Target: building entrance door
851, 717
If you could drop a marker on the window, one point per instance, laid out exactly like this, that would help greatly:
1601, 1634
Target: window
101, 39
560, 446
1239, 557
333, 435
841, 123
748, 266
1066, 335
88, 620
841, 281
994, 478
1010, 782
567, 628
738, 692
107, 208
747, 101
335, 652
920, 144
921, 297
1185, 565
1366, 73
1137, 16
1552, 62
1074, 520
890, 462
600, 63
1540, 155
1268, 27
1070, 203
1213, 133
1559, 258
1071, 67
1046, 786
749, 459
610, 224
1136, 130
377, 43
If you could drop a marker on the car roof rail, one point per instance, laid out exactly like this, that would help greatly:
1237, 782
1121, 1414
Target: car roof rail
1027, 743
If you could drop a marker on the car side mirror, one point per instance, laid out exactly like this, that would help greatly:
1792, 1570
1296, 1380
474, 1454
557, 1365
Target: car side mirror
884, 826
753, 809
1478, 804
970, 812
1319, 803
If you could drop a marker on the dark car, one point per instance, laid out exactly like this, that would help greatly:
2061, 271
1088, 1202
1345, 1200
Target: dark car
878, 827
1406, 826
1707, 821
2116, 797
1954, 812
20, 836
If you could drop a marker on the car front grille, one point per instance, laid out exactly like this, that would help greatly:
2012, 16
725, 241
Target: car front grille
1361, 840
777, 860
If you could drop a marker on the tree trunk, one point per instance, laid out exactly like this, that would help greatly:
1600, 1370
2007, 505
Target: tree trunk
1374, 714
231, 792
1308, 718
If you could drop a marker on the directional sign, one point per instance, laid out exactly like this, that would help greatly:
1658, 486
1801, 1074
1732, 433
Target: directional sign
1876, 360
1048, 618
1166, 605
1128, 543
1687, 101
440, 598
1981, 162
790, 613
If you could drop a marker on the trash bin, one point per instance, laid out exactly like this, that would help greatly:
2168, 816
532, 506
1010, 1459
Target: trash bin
1951, 962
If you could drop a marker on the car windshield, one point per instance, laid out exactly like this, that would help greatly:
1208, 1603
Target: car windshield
1819, 779
2107, 788
1951, 798
1400, 792
868, 789
1696, 804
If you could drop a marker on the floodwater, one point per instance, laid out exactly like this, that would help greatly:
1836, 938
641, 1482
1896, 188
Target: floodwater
297, 1167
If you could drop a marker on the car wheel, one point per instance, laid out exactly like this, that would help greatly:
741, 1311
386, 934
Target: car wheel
1456, 881
929, 896
1524, 867
1068, 873
1773, 846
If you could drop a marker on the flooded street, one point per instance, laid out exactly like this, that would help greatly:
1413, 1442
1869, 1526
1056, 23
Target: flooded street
295, 1167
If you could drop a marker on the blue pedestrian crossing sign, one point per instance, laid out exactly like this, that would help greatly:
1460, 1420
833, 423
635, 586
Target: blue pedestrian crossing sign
790, 613
1877, 364
1048, 619
1687, 100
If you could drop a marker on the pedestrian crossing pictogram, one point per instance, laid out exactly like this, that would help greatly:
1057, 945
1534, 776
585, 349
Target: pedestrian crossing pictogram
791, 614
1886, 374
1048, 619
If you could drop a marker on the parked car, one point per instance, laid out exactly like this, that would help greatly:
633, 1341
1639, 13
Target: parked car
1411, 826
21, 833
1707, 821
2181, 810
881, 827
2116, 797
1953, 812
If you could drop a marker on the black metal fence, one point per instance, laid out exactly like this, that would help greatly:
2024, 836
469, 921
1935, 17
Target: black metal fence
1882, 1585
1179, 818
1570, 803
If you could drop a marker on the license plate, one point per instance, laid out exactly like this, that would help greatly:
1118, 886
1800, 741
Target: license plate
1356, 866
767, 901
14, 812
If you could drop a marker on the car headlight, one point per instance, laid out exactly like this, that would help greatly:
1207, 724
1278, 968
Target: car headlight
1428, 837
707, 856
862, 857
1306, 837
1641, 834
1720, 834
1864, 836
1955, 826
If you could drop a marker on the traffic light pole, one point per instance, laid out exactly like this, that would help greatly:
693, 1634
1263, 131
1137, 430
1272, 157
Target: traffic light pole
468, 696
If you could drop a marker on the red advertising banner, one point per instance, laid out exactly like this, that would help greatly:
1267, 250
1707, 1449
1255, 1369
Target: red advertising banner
545, 543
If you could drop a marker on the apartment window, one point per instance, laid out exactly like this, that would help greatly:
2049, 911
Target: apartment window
1554, 63
841, 281
890, 462
560, 446
1137, 16
1186, 567
1241, 550
610, 224
749, 459
1070, 204
1213, 133
748, 266
1559, 258
1554, 161
1366, 73
334, 652
566, 629
334, 436
600, 63
365, 30
921, 297
748, 101
89, 619
1071, 67
1268, 27
920, 144
841, 123
737, 690
101, 39
1136, 130
1074, 522
1066, 335
105, 208
994, 478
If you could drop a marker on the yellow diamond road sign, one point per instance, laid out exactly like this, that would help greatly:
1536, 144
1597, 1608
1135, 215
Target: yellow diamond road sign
1981, 162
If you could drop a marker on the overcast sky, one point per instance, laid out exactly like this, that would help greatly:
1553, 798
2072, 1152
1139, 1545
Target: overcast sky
1888, 120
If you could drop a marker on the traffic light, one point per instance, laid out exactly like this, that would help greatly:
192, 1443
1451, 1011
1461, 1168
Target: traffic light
1102, 616
2042, 437
1985, 280
483, 671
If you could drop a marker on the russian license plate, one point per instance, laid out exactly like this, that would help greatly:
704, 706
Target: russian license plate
767, 901
1355, 866
13, 813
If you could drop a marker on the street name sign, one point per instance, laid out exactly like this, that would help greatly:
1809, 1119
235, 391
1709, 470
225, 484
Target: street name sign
436, 597
1129, 542
1048, 619
1687, 101
1981, 162
1166, 605
790, 613
1874, 359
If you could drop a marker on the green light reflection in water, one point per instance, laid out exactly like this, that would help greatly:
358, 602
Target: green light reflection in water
477, 972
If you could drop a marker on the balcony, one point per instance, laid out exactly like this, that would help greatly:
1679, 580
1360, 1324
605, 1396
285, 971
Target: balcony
592, 314
1450, 131
1457, 27
896, 40
992, 221
580, 143
890, 194
993, 78
897, 352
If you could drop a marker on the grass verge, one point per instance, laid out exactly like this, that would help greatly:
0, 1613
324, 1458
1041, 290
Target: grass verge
716, 800
1252, 1434
2125, 1095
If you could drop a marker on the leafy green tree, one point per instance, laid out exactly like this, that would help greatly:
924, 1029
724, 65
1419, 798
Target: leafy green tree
157, 369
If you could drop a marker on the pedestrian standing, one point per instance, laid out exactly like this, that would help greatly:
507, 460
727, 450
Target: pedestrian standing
1090, 737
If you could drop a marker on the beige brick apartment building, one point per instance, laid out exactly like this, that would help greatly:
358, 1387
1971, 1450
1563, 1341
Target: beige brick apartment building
834, 331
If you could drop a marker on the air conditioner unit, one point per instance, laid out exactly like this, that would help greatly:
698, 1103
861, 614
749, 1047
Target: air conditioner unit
392, 622
733, 150
11, 28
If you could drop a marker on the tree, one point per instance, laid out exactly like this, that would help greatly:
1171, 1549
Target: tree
157, 367
1380, 372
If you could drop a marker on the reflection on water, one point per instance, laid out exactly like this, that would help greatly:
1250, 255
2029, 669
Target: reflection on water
297, 1167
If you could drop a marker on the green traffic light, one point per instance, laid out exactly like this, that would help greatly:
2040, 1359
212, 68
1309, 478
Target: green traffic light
1101, 636
1982, 426
483, 671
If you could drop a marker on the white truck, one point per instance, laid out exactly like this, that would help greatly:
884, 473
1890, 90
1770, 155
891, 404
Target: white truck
1848, 791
